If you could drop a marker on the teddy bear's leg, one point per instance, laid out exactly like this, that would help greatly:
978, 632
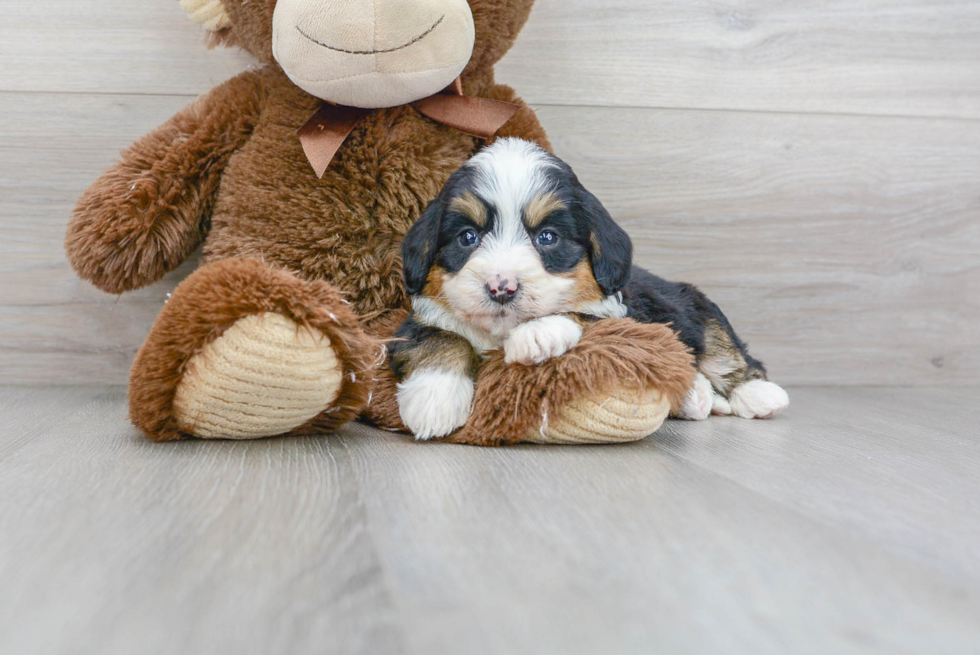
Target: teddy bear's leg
618, 384
244, 351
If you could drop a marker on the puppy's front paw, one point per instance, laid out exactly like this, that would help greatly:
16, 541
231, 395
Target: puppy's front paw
435, 403
539, 340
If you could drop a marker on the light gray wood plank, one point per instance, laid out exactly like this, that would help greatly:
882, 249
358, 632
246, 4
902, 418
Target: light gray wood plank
895, 466
642, 549
843, 248
112, 544
109, 46
53, 326
28, 412
893, 57
845, 525
896, 57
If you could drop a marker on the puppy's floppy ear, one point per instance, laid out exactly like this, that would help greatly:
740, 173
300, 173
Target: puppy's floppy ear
420, 247
610, 248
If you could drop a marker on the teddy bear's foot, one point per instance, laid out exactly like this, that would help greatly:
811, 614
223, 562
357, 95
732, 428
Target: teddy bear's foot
619, 416
265, 375
243, 351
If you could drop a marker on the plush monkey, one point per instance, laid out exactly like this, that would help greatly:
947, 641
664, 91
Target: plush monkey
281, 330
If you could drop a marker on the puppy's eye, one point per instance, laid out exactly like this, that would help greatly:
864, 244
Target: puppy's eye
547, 238
469, 238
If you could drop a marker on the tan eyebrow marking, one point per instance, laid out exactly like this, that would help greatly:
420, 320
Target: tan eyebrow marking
540, 208
471, 206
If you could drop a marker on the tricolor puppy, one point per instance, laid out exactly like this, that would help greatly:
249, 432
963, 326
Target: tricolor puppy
516, 254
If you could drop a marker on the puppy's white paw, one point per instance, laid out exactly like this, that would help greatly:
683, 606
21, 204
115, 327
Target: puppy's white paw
539, 340
698, 403
720, 405
758, 399
435, 403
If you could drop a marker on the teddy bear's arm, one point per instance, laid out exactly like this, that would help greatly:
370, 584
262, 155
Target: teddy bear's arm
524, 123
148, 212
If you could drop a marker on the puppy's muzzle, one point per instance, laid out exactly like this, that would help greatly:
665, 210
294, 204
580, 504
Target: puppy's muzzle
503, 289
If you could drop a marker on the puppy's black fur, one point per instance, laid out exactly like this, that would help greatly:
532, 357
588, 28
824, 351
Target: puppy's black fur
698, 321
587, 233
586, 228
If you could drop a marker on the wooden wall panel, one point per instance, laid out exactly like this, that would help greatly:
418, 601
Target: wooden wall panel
843, 247
889, 57
827, 194
108, 46
893, 57
846, 249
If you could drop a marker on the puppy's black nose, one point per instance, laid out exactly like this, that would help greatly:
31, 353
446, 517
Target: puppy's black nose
501, 289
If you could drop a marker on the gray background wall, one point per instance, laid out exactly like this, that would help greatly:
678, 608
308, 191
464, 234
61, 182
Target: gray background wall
814, 165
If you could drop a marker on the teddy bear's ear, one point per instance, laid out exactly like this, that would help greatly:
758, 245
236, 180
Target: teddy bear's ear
210, 14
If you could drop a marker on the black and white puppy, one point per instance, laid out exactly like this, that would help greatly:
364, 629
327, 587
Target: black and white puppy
516, 254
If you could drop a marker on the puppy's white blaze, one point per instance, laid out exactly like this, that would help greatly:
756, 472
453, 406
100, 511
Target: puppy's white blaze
758, 399
435, 403
512, 172
539, 340
698, 403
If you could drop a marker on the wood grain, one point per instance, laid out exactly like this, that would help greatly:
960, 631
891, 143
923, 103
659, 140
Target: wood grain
121, 546
894, 57
843, 247
108, 46
846, 525
882, 57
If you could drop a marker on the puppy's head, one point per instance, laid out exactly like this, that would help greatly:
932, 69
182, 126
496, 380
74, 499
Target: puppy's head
514, 236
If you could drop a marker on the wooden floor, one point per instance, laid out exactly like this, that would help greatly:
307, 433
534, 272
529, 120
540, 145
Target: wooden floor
850, 524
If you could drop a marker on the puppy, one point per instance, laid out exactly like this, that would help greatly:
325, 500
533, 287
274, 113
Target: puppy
516, 254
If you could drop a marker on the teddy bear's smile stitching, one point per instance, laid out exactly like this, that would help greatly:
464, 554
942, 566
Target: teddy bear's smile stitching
373, 52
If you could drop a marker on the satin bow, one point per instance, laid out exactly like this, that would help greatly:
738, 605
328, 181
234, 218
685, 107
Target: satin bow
323, 134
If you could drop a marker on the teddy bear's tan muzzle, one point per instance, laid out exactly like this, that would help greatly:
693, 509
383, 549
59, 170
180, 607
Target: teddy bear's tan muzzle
373, 54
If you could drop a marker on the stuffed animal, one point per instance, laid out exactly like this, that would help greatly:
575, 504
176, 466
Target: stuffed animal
301, 179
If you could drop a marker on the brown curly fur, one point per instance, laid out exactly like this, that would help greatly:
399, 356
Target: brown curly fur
230, 172
209, 302
513, 398
612, 354
383, 410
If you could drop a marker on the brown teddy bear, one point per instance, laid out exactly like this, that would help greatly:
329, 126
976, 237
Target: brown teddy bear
281, 330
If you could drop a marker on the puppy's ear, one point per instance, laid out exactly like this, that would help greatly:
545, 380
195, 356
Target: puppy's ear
610, 248
420, 247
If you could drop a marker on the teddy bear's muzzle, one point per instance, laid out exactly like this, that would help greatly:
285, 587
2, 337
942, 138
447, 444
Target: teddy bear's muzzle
372, 54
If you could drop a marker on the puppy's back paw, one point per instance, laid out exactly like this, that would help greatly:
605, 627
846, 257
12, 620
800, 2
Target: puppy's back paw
758, 399
698, 403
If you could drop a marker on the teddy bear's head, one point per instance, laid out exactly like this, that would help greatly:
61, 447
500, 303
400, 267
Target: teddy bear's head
361, 53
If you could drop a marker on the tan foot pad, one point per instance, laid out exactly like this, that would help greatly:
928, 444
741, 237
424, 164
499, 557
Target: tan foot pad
263, 377
621, 416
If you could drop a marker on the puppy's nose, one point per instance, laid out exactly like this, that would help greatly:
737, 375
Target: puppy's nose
503, 288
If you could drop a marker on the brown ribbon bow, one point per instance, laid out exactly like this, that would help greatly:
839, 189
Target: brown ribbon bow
323, 134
